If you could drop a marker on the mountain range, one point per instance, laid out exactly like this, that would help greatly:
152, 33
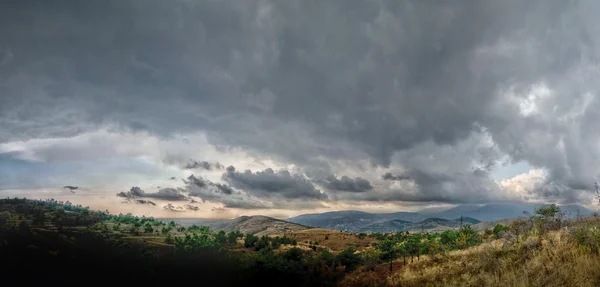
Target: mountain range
479, 216
472, 214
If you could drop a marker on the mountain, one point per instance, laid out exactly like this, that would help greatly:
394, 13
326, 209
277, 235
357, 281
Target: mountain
498, 211
355, 221
468, 220
258, 225
472, 214
387, 226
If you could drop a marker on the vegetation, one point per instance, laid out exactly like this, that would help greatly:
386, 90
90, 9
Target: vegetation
59, 241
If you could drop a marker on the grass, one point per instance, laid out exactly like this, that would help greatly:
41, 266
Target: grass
556, 258
333, 240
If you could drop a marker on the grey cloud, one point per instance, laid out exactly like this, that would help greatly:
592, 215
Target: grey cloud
164, 194
298, 81
347, 184
192, 207
70, 188
197, 181
222, 193
204, 165
174, 208
390, 176
420, 177
135, 191
143, 201
224, 189
268, 183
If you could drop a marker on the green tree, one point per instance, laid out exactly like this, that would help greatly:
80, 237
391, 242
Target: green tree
349, 258
499, 229
148, 228
448, 239
232, 238
467, 236
250, 241
388, 251
371, 258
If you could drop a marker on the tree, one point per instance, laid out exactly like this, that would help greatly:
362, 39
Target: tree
388, 251
349, 258
499, 229
221, 237
467, 236
448, 239
232, 238
250, 241
371, 258
148, 228
294, 254
548, 217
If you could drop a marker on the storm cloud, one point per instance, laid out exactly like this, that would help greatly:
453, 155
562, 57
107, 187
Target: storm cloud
204, 165
70, 188
347, 184
420, 101
164, 194
268, 183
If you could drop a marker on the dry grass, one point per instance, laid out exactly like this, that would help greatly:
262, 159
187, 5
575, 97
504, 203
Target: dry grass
332, 239
551, 260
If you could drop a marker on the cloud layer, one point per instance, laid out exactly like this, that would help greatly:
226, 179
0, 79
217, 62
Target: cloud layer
313, 103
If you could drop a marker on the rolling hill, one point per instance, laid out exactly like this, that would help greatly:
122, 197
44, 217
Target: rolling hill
258, 225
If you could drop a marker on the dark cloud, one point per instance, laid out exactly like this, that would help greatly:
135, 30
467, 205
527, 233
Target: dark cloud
268, 183
192, 207
390, 176
70, 188
135, 191
143, 201
222, 193
164, 194
420, 177
224, 189
317, 82
347, 184
174, 208
197, 181
204, 165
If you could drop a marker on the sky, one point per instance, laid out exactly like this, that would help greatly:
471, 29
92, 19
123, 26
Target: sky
216, 109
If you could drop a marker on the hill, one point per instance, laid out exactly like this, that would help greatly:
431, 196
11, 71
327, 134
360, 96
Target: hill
356, 221
472, 214
257, 225
498, 211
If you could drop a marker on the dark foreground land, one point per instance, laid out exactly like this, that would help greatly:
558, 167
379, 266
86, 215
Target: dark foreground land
50, 243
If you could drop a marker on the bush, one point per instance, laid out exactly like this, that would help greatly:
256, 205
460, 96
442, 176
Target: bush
349, 258
588, 236
499, 229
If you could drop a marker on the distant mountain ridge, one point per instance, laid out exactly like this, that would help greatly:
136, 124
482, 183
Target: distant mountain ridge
478, 216
472, 214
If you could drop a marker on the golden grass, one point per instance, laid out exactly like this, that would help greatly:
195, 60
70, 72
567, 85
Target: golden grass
551, 260
333, 240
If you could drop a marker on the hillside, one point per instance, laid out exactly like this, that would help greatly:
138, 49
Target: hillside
258, 225
357, 221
